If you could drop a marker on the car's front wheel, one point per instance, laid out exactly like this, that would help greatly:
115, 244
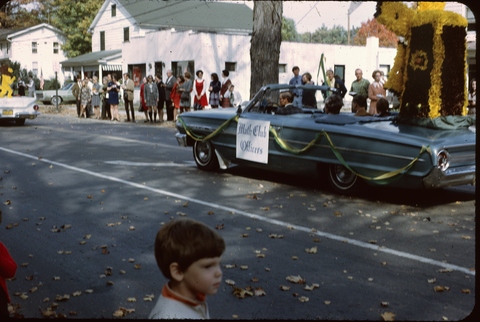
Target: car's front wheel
204, 155
342, 180
56, 100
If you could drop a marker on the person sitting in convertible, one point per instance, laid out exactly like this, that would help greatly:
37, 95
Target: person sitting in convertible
286, 105
333, 104
359, 106
383, 107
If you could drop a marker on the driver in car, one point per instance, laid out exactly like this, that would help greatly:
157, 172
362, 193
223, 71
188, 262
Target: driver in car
286, 105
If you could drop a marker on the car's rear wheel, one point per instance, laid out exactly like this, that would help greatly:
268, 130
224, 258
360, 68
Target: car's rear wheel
342, 180
56, 99
204, 155
20, 121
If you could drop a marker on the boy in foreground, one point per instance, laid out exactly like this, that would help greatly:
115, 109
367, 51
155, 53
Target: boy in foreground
188, 254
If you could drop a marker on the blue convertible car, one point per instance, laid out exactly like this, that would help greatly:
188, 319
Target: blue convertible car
347, 150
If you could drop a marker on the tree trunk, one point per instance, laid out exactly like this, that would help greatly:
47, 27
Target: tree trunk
265, 44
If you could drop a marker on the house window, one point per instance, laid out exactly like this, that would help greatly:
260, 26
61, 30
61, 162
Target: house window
231, 66
34, 47
102, 40
282, 68
114, 10
126, 34
35, 68
55, 47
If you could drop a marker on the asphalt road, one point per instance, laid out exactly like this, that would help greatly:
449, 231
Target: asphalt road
82, 201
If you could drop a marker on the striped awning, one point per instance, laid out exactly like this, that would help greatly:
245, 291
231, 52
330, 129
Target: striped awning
112, 68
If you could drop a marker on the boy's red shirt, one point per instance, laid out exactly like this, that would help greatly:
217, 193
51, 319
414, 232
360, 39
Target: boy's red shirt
8, 267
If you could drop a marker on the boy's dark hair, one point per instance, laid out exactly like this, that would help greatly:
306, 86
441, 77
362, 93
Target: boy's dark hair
184, 242
382, 105
226, 72
360, 100
333, 104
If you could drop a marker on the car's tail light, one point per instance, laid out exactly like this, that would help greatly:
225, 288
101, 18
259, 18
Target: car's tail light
35, 107
443, 160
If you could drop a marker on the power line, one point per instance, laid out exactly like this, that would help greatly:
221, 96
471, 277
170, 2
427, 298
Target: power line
307, 13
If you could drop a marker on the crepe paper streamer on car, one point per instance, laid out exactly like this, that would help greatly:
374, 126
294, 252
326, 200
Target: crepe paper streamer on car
318, 136
211, 135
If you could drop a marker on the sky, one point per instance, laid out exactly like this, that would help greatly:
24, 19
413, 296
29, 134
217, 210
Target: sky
311, 15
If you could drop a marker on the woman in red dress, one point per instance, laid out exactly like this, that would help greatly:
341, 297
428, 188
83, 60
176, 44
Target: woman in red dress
143, 105
175, 96
199, 92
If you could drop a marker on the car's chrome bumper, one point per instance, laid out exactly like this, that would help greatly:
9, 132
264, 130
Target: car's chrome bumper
181, 139
451, 177
20, 115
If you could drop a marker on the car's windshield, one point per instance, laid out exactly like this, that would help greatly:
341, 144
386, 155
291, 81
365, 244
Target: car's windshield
67, 86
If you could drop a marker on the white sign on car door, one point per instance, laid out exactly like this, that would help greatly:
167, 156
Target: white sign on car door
252, 140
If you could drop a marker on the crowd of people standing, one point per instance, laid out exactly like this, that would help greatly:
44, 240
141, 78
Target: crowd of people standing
174, 95
361, 90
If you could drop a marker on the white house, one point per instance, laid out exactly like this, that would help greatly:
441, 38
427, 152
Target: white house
37, 48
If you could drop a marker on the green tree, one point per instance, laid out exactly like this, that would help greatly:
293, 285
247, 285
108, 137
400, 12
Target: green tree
337, 35
15, 14
74, 18
289, 32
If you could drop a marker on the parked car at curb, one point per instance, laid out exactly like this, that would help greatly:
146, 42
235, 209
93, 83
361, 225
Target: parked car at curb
18, 109
347, 150
52, 97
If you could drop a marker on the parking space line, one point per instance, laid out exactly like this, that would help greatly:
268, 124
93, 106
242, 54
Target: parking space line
256, 217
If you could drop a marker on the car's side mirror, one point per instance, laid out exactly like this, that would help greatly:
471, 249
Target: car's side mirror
239, 109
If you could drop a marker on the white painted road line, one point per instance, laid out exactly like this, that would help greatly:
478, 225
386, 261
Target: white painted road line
256, 217
151, 164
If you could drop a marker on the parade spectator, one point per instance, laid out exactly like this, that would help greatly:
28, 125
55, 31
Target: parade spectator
96, 101
333, 104
21, 88
334, 81
360, 84
76, 92
199, 90
128, 88
296, 80
188, 254
151, 98
8, 267
186, 89
308, 95
359, 105
214, 89
113, 89
161, 96
375, 92
176, 94
106, 115
226, 82
85, 98
235, 97
169, 83
31, 86
143, 105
